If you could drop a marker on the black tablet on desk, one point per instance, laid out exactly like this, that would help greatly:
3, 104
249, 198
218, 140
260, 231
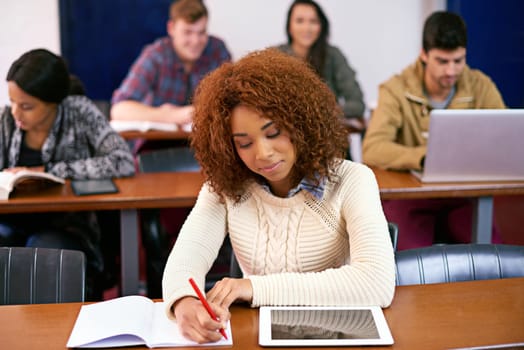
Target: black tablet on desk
323, 326
99, 186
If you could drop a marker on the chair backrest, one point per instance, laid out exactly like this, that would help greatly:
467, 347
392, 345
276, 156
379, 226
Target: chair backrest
393, 234
168, 159
41, 275
458, 262
104, 106
236, 272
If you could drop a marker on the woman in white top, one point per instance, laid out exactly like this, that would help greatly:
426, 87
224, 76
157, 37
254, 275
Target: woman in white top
306, 226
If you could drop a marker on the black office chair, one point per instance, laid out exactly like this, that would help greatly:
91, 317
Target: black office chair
458, 262
393, 234
154, 236
104, 106
175, 159
236, 272
41, 275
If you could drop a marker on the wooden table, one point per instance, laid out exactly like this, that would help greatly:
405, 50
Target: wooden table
144, 190
354, 125
163, 190
403, 185
351, 124
155, 135
439, 316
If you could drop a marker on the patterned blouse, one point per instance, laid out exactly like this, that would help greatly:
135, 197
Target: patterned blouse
80, 145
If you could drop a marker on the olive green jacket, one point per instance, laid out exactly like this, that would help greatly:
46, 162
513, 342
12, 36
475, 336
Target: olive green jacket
397, 132
341, 79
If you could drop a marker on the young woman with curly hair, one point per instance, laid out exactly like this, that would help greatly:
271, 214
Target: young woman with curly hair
306, 226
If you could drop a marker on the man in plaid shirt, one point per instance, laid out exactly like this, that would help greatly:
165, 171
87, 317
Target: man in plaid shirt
161, 81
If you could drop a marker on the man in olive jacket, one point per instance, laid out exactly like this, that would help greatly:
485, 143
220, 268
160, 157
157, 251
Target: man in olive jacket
396, 137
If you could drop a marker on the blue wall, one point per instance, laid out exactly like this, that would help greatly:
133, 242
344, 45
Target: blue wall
100, 39
496, 43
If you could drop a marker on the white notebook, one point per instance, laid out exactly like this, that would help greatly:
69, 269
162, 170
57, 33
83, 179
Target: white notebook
143, 126
128, 321
9, 180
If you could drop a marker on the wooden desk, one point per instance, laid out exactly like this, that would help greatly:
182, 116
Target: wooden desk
163, 190
155, 135
403, 185
354, 125
145, 190
439, 316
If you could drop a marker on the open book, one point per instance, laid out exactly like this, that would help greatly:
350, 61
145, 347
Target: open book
128, 321
125, 125
8, 180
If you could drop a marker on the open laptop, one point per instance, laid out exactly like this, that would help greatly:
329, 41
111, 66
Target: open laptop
474, 145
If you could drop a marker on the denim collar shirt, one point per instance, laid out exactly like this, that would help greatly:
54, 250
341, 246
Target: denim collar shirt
316, 191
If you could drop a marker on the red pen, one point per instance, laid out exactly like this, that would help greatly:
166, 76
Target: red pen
206, 305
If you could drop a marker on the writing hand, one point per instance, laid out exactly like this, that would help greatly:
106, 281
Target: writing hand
195, 323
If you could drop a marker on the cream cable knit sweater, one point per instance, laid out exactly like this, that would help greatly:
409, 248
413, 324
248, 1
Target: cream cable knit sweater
295, 251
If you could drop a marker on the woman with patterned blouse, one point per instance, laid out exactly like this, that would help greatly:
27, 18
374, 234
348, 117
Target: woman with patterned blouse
44, 129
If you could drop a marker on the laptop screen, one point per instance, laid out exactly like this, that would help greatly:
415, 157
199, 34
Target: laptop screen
475, 145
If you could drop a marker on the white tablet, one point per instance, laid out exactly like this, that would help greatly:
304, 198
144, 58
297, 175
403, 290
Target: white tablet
323, 326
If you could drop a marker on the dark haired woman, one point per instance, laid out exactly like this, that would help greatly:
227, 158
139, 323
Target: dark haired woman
307, 29
44, 129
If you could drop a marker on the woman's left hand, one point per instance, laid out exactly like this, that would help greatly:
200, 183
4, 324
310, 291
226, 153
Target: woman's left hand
228, 290
22, 168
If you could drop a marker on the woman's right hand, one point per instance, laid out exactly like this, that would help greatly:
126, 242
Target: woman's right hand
195, 323
179, 115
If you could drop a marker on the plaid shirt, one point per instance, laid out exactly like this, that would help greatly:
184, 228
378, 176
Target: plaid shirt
158, 75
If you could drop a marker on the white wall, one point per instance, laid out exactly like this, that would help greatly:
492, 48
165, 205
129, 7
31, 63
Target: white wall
25, 25
379, 37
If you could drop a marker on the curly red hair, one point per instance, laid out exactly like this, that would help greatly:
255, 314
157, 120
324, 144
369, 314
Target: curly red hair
281, 88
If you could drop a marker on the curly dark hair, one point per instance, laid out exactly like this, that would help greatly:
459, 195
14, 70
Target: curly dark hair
281, 88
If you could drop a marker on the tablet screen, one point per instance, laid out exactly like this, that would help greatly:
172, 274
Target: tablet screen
322, 326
